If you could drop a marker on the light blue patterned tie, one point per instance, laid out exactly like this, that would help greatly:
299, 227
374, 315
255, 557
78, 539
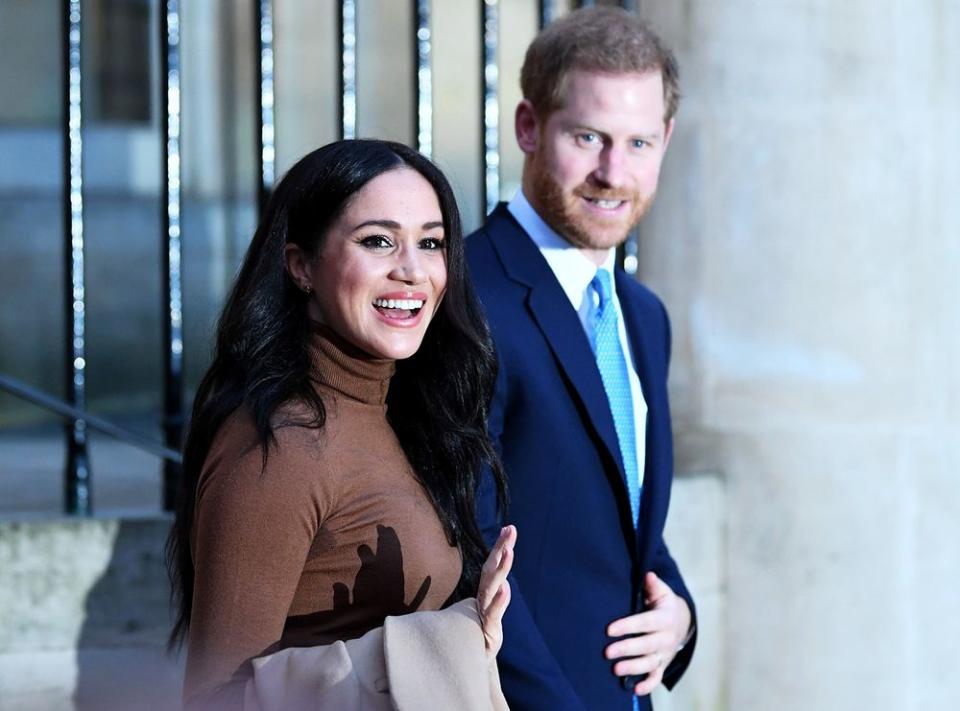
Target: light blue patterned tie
612, 364
613, 372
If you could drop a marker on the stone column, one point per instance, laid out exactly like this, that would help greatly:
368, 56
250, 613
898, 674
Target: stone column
807, 242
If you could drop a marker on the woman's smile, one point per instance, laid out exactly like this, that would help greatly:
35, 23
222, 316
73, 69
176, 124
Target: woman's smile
400, 309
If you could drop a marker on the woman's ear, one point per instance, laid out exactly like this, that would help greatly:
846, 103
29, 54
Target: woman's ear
299, 267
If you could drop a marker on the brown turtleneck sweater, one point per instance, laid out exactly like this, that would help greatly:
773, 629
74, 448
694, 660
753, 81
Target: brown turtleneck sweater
321, 545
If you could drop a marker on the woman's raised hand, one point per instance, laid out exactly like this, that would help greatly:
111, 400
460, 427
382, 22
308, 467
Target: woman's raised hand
493, 595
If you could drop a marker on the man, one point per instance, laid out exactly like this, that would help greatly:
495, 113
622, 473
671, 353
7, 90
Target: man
599, 615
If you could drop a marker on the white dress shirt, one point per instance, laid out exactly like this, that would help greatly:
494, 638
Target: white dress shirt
575, 271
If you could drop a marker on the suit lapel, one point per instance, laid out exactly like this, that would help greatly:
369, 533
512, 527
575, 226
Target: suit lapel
639, 338
559, 323
635, 334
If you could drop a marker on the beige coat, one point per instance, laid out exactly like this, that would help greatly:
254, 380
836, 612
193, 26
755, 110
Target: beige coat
424, 660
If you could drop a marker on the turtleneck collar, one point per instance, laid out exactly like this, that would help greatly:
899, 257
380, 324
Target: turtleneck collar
341, 366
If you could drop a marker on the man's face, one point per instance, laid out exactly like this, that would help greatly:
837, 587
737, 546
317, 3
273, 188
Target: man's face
593, 164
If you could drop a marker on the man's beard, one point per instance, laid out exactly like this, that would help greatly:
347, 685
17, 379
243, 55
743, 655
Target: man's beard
579, 229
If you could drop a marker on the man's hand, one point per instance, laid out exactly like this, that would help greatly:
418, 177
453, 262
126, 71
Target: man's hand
661, 629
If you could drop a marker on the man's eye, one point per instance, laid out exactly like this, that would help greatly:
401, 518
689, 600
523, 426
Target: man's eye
588, 138
640, 143
376, 242
432, 243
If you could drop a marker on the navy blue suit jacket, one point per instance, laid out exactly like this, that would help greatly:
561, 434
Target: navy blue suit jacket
579, 561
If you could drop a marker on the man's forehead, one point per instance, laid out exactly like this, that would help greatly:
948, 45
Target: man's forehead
582, 81
601, 96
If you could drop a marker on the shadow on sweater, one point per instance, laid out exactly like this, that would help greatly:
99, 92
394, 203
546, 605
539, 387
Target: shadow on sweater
378, 591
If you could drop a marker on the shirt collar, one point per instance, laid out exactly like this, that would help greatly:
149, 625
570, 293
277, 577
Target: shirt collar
572, 268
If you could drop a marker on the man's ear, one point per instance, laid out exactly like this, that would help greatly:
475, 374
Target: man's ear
667, 132
299, 267
527, 126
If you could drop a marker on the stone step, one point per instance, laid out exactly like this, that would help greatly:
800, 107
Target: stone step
85, 615
84, 610
124, 479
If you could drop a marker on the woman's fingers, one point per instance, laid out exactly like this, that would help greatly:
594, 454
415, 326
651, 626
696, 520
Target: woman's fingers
500, 602
496, 567
497, 582
493, 596
492, 619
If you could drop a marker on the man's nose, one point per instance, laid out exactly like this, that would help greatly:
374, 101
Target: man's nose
409, 266
611, 168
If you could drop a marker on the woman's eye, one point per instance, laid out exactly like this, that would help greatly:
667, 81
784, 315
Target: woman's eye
432, 243
376, 242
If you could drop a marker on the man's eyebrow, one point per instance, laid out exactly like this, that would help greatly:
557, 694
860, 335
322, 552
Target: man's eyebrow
649, 136
586, 127
394, 225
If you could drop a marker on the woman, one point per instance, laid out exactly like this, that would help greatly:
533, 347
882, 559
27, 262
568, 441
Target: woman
337, 438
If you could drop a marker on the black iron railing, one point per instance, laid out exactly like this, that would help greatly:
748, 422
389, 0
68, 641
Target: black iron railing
77, 479
423, 77
91, 422
172, 323
347, 17
77, 476
490, 76
263, 29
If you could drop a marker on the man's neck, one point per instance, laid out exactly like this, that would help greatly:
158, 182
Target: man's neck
597, 256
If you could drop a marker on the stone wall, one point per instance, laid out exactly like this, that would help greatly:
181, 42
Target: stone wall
806, 240
85, 611
85, 616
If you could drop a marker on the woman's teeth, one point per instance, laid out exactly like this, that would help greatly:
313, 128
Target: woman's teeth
405, 304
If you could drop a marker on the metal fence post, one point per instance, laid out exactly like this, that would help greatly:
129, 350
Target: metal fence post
173, 415
489, 28
423, 77
263, 27
77, 484
347, 18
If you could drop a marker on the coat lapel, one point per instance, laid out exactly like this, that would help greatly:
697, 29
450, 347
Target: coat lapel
639, 338
561, 326
635, 334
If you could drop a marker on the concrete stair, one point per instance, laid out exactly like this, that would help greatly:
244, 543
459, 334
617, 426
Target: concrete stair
84, 602
84, 615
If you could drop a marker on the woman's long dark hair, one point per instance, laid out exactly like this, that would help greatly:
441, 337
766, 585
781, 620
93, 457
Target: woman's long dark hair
438, 398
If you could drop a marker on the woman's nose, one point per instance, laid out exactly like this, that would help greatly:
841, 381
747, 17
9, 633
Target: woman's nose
409, 268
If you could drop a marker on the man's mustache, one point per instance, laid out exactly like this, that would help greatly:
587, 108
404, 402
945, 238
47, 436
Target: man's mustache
595, 193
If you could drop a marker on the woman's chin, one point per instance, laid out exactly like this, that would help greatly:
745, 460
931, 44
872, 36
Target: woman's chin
394, 346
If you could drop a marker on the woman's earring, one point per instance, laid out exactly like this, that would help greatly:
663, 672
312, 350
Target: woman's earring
307, 289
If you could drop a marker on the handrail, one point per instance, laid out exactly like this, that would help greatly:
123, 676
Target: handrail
24, 391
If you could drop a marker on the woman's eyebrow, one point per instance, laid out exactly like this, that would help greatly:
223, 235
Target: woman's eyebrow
387, 224
393, 225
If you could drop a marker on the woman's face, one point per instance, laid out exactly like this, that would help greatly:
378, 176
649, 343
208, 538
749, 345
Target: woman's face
381, 270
